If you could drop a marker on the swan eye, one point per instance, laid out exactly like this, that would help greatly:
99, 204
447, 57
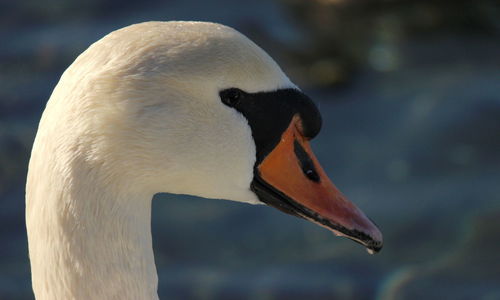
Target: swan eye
231, 97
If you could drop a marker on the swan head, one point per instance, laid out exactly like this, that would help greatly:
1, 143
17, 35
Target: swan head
197, 108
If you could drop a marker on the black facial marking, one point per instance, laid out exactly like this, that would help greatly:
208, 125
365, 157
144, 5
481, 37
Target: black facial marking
305, 162
269, 114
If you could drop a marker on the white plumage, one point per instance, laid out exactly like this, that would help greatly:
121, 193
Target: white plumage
136, 114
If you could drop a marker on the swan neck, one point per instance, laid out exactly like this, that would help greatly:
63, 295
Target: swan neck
89, 237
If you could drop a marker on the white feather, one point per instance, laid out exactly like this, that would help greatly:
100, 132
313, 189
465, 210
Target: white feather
137, 113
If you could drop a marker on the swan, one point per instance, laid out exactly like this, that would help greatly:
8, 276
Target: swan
181, 107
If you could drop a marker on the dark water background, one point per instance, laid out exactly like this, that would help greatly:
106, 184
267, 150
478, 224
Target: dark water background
410, 96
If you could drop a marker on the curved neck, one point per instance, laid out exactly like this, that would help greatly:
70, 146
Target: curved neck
89, 237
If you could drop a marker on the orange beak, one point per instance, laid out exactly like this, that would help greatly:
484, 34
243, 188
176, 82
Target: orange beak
291, 179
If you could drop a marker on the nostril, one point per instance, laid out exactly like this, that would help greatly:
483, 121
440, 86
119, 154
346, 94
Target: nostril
305, 162
311, 174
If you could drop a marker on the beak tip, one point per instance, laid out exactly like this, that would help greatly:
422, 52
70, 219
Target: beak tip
374, 249
375, 243
368, 235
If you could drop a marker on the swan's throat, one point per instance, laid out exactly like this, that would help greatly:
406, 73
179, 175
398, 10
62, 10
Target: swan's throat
89, 238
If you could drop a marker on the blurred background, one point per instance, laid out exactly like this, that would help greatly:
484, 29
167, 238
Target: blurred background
410, 95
